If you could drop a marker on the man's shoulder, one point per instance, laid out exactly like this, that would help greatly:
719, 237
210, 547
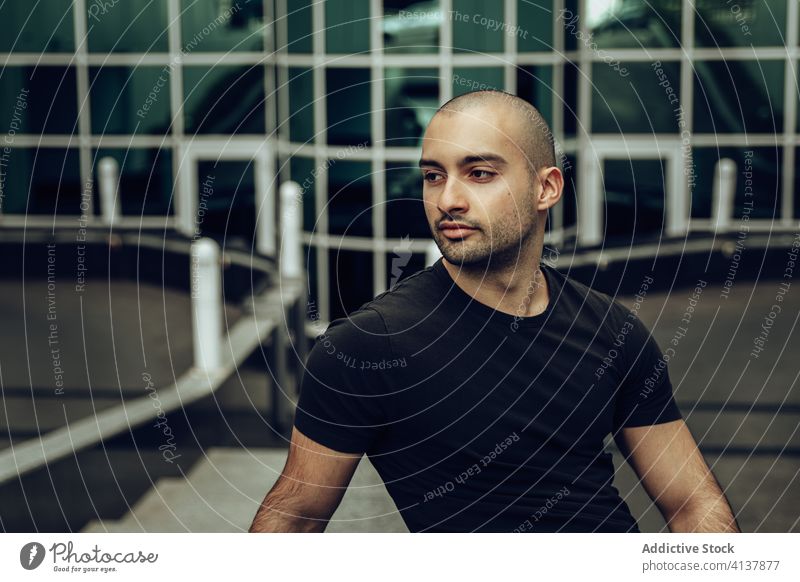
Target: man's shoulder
362, 325
374, 320
405, 299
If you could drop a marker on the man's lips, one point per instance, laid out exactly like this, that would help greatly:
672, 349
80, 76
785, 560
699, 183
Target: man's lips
455, 229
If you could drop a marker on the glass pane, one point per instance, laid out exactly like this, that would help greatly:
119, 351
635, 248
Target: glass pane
227, 203
405, 210
302, 172
348, 106
313, 288
412, 97
401, 263
222, 26
570, 102
478, 26
796, 186
642, 101
129, 100
298, 22
740, 23
535, 85
37, 27
133, 26
350, 198
566, 19
535, 30
722, 106
476, 79
569, 196
620, 24
411, 26
765, 165
145, 180
350, 281
301, 105
28, 96
224, 99
796, 96
635, 192
42, 181
346, 26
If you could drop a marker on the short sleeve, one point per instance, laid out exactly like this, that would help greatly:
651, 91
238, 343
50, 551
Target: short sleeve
340, 404
645, 395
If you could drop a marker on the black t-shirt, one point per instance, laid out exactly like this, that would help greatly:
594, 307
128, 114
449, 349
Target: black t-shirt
479, 420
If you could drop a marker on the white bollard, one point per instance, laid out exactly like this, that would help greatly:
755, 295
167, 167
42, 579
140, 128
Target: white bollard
432, 253
206, 304
724, 193
108, 181
291, 259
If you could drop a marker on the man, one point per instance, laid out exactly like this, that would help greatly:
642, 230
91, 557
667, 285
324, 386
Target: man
474, 386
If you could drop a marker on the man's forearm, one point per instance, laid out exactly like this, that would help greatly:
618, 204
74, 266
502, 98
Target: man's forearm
273, 519
284, 509
712, 515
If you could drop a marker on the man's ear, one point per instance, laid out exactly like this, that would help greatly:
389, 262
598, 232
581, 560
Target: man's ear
552, 181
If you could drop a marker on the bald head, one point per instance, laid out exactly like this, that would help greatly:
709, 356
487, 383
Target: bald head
535, 139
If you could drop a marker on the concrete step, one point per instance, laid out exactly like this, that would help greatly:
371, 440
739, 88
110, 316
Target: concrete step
152, 499
711, 361
171, 506
744, 431
107, 526
98, 338
763, 490
223, 492
24, 414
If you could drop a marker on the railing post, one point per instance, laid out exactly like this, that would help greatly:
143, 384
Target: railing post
292, 270
291, 259
206, 304
108, 180
724, 193
432, 253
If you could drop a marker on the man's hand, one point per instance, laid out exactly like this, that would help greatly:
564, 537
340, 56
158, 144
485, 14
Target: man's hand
677, 478
309, 489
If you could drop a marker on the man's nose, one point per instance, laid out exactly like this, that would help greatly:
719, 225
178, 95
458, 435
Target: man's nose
454, 198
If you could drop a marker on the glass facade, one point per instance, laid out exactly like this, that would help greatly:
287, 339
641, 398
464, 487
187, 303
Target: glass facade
644, 98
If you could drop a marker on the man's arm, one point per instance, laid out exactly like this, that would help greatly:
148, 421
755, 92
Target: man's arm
675, 475
309, 489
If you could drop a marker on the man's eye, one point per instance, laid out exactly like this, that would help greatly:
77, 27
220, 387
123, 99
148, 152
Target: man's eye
481, 174
431, 176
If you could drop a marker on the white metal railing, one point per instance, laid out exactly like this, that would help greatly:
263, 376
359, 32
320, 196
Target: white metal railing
108, 184
724, 194
432, 254
206, 304
291, 257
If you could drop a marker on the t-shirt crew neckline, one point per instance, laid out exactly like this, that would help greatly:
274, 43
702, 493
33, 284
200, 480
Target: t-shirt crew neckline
465, 300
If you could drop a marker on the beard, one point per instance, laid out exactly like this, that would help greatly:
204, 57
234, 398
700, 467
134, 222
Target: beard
498, 247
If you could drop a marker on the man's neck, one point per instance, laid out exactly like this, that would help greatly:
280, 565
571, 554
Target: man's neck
520, 289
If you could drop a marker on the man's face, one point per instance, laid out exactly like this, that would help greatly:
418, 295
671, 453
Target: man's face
475, 175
